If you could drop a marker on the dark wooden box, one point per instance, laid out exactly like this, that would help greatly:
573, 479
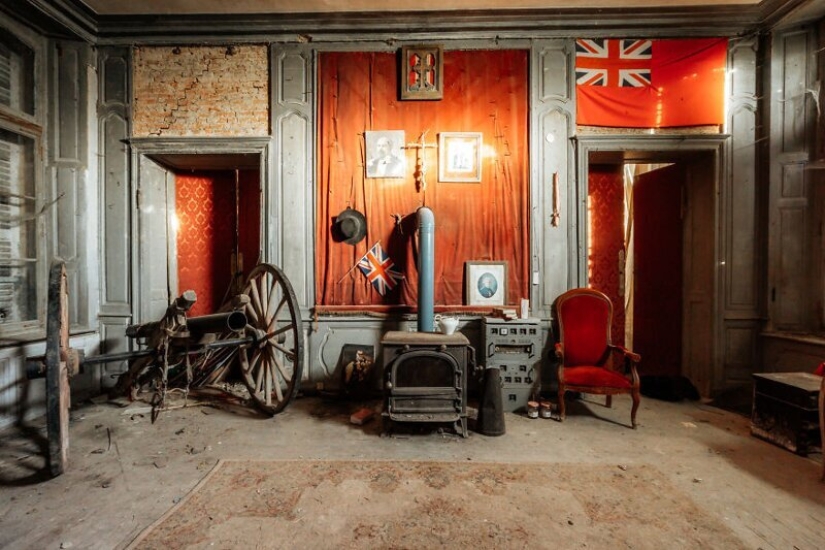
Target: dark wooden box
786, 409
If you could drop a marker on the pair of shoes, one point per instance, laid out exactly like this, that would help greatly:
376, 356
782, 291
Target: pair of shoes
546, 409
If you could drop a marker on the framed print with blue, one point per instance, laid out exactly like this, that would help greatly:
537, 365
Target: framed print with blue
486, 283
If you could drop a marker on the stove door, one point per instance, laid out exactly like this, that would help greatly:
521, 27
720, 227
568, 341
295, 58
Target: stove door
425, 386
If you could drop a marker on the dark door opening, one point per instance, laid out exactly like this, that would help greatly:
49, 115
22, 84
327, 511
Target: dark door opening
650, 250
216, 225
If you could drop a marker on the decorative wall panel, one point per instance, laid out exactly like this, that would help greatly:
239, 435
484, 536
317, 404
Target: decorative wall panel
289, 227
554, 263
793, 112
743, 235
115, 213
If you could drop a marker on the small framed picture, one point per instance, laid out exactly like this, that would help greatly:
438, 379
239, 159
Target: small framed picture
385, 154
459, 156
422, 72
486, 283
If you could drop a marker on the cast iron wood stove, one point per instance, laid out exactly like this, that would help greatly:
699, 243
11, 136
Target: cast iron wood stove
426, 372
426, 378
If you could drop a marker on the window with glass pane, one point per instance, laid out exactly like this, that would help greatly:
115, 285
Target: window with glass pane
18, 250
16, 74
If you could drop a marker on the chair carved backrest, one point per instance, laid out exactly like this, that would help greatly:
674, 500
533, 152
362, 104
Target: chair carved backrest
586, 353
585, 317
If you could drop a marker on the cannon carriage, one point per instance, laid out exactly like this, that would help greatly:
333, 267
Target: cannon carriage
258, 336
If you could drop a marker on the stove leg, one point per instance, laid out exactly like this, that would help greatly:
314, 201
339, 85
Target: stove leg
386, 426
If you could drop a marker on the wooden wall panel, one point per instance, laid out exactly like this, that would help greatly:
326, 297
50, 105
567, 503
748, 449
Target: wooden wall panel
555, 266
70, 180
116, 212
115, 206
793, 70
743, 234
791, 259
289, 226
740, 343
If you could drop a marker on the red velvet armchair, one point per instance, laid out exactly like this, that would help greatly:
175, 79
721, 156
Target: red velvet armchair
587, 358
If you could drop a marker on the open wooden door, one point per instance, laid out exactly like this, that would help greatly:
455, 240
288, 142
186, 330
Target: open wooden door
657, 319
156, 270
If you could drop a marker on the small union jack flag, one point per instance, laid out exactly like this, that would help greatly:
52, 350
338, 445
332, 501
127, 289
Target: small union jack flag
615, 63
379, 269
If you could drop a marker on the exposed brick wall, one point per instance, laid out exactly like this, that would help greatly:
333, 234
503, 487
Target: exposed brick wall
201, 91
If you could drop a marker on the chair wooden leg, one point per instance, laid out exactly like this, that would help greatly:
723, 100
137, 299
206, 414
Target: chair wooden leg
636, 399
561, 403
608, 401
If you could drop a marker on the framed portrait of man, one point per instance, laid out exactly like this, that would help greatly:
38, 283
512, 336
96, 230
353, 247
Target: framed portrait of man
385, 154
486, 283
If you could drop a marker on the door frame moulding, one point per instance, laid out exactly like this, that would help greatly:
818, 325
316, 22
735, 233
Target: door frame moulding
154, 146
657, 148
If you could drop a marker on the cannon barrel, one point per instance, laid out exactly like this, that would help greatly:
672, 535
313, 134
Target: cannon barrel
217, 322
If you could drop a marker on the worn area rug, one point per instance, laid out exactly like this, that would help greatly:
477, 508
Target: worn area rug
369, 504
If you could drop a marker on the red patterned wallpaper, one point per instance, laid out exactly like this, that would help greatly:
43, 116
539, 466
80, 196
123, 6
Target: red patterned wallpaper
606, 194
205, 208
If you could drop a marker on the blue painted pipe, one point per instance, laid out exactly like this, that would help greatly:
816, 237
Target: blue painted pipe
426, 269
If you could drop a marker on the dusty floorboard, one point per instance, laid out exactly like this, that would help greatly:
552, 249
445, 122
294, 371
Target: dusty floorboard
126, 472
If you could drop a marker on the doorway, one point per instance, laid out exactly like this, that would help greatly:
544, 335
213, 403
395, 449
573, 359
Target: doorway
199, 221
650, 242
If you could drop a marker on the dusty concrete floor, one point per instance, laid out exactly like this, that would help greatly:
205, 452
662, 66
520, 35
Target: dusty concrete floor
125, 471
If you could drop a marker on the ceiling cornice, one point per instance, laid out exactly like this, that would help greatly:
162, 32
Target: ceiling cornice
714, 21
781, 12
720, 20
58, 18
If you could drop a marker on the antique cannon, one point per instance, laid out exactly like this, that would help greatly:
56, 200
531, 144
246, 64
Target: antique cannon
260, 332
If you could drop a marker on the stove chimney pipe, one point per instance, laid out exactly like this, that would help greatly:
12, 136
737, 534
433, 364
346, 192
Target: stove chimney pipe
426, 262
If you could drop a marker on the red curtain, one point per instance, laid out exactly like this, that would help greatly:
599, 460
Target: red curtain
484, 91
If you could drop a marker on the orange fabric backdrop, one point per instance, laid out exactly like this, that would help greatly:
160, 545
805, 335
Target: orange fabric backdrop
484, 91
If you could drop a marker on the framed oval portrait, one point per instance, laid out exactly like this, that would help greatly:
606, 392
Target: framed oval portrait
486, 283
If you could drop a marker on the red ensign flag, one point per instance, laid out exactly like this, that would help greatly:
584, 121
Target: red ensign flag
630, 83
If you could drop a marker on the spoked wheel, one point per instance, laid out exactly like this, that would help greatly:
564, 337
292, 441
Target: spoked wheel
272, 366
58, 364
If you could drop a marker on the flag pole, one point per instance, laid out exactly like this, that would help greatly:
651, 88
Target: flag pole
356, 263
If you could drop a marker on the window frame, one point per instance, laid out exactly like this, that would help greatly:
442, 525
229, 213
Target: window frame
30, 127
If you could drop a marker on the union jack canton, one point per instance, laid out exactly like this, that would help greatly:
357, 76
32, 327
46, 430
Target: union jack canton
379, 269
618, 63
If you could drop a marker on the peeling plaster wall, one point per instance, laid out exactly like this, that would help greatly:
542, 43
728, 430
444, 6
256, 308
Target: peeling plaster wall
201, 91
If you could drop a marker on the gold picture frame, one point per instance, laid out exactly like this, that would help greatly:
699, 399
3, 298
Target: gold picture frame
459, 157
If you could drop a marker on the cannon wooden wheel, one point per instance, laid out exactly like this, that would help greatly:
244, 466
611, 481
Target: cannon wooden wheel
272, 366
58, 364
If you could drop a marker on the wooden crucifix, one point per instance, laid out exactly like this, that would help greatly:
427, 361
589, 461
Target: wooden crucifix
420, 160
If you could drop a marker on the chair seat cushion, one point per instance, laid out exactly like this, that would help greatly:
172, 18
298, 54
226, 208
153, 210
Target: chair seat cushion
594, 377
